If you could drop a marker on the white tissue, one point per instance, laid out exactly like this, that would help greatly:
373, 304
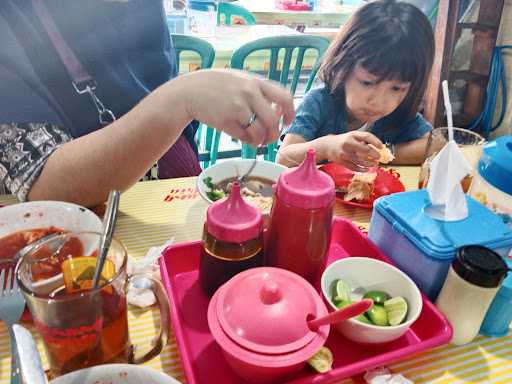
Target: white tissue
148, 266
447, 170
384, 376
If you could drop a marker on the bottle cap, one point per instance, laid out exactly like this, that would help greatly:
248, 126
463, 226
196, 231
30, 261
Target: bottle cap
306, 186
480, 266
232, 219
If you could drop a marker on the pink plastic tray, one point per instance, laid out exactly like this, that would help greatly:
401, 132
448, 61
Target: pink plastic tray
202, 358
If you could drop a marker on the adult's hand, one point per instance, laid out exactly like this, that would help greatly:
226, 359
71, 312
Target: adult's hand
226, 100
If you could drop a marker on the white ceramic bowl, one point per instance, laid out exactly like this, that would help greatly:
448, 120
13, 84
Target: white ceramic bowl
41, 214
115, 374
231, 168
372, 274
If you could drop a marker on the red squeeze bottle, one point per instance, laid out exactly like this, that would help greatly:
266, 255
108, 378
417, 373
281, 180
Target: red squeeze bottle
300, 220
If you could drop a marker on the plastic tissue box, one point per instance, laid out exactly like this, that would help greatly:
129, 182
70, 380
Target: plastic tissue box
424, 247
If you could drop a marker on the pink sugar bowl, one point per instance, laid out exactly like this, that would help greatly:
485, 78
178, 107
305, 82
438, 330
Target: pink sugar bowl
260, 317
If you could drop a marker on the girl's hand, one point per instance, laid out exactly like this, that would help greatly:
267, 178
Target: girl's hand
227, 99
351, 149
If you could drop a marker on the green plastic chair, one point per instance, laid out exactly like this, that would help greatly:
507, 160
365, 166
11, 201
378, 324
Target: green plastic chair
292, 49
229, 11
194, 44
207, 54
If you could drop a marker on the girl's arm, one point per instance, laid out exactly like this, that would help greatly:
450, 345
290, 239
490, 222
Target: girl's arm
115, 157
350, 149
294, 148
411, 152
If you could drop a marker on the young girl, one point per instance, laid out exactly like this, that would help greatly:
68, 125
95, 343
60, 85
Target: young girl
374, 76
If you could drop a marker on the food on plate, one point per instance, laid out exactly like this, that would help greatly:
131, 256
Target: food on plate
361, 186
322, 360
255, 190
11, 244
385, 154
385, 311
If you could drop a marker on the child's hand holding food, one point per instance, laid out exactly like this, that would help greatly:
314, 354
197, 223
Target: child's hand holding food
355, 150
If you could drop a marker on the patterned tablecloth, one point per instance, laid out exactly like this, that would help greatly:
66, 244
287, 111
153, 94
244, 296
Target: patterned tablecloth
155, 211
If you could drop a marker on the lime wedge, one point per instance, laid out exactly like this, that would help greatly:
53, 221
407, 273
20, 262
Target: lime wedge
341, 303
396, 309
322, 360
378, 297
378, 315
341, 291
363, 319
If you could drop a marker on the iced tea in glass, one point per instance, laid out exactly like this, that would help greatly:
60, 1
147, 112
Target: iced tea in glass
81, 326
470, 143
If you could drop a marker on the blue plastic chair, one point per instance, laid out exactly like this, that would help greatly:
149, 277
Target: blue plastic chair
228, 14
206, 53
292, 49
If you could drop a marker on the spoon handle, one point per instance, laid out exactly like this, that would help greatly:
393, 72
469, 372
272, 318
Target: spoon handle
342, 314
109, 223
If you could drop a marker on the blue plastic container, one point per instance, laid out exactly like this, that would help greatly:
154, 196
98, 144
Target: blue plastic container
424, 247
499, 315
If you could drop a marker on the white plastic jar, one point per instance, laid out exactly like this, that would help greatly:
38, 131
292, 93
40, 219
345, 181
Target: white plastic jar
473, 279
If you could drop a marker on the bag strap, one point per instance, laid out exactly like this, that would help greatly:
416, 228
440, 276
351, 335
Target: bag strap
82, 81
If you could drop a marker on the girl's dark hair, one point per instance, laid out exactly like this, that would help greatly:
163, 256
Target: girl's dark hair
390, 39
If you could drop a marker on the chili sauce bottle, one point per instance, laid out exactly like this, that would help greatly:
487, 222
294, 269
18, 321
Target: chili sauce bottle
300, 220
232, 240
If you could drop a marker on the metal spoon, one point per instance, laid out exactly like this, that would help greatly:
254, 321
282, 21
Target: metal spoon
241, 179
109, 223
30, 247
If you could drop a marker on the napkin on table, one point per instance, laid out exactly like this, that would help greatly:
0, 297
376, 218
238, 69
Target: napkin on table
383, 375
148, 265
447, 170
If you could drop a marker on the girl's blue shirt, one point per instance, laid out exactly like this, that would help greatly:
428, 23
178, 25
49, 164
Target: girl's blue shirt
320, 115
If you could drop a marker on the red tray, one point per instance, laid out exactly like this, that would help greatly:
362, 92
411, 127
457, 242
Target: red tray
203, 360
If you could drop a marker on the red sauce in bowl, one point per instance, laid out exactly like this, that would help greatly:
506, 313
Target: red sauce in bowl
11, 244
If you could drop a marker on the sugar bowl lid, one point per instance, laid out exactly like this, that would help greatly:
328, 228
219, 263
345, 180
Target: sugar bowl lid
265, 310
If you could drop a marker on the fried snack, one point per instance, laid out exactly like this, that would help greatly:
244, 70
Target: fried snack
385, 154
361, 186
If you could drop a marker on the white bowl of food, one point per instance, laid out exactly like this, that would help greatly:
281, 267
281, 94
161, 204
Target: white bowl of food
115, 374
397, 300
23, 223
214, 182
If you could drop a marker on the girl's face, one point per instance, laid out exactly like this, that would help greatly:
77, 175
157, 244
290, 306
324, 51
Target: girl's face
368, 100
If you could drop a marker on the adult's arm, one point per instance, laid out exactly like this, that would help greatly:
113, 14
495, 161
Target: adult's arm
84, 170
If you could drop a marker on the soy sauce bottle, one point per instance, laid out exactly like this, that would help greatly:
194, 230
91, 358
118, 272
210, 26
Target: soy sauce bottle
232, 240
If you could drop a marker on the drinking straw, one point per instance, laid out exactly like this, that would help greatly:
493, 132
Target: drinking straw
448, 107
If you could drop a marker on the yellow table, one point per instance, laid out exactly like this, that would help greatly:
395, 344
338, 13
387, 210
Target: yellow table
155, 211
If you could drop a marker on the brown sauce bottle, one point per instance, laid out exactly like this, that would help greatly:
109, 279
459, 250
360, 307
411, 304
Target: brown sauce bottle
232, 241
